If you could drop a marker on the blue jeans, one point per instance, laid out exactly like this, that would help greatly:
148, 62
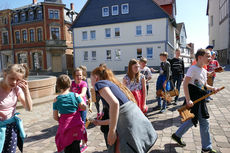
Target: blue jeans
204, 130
177, 80
159, 86
83, 116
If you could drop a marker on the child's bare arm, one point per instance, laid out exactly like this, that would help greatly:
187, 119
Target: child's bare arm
55, 115
82, 106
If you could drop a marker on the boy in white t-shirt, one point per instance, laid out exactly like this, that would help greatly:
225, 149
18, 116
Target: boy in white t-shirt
194, 84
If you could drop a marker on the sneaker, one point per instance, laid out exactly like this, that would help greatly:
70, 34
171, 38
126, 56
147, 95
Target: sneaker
208, 151
175, 102
83, 148
178, 140
163, 110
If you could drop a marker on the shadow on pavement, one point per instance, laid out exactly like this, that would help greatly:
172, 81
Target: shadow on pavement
46, 133
162, 124
168, 148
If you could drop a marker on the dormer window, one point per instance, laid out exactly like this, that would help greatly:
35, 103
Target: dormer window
15, 18
39, 14
115, 10
125, 8
23, 17
105, 11
31, 15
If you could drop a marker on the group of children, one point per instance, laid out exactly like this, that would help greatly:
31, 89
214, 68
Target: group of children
120, 102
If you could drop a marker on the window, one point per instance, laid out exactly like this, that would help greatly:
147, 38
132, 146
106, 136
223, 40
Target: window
84, 35
55, 33
124, 8
93, 34
31, 35
213, 42
139, 53
149, 29
117, 32
56, 14
105, 11
86, 56
39, 34
5, 20
93, 55
138, 30
108, 55
39, 14
149, 53
37, 60
31, 15
51, 14
15, 18
211, 21
24, 36
117, 54
23, 17
17, 37
223, 10
115, 10
22, 58
5, 40
108, 33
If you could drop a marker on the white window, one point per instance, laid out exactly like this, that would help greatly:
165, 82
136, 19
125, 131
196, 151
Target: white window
149, 29
22, 58
5, 39
149, 53
86, 57
94, 55
117, 54
117, 32
93, 34
115, 10
124, 8
108, 55
139, 53
105, 11
138, 30
107, 32
84, 35
55, 33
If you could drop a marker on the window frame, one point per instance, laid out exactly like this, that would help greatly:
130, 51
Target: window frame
103, 12
115, 13
147, 55
24, 17
139, 30
92, 38
108, 58
86, 58
3, 40
17, 41
109, 29
117, 58
84, 38
147, 30
94, 58
116, 32
38, 34
33, 35
122, 10
139, 56
26, 36
59, 31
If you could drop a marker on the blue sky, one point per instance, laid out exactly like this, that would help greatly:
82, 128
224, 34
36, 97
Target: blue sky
191, 12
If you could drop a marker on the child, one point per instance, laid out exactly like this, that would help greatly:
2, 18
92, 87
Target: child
163, 80
13, 87
135, 81
71, 128
194, 83
177, 67
145, 71
79, 86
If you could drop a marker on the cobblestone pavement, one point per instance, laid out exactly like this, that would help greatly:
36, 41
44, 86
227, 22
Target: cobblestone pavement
41, 128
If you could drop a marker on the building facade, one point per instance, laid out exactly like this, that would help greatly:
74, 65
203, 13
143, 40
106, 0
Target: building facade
41, 36
219, 33
113, 32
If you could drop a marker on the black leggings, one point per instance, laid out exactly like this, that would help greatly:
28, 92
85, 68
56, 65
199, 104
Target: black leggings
73, 148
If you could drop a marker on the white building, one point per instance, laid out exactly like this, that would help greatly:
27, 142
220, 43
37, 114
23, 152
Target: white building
113, 32
219, 34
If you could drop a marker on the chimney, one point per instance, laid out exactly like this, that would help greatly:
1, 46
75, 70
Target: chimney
34, 1
71, 6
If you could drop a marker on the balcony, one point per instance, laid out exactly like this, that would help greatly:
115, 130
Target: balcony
56, 43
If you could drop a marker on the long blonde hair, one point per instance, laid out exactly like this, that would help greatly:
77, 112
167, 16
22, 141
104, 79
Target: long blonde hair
130, 71
106, 74
19, 68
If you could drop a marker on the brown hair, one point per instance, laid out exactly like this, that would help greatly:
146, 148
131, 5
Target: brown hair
200, 52
143, 59
106, 74
177, 50
130, 71
19, 68
63, 82
84, 71
75, 70
165, 54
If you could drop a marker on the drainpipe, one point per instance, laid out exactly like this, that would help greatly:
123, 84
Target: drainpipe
167, 35
228, 49
74, 54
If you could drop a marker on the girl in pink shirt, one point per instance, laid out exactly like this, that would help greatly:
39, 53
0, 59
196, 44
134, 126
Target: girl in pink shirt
13, 87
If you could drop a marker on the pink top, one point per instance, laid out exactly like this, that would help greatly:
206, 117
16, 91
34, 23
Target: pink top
8, 102
213, 64
77, 88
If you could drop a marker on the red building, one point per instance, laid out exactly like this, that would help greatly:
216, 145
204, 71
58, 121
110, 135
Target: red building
40, 32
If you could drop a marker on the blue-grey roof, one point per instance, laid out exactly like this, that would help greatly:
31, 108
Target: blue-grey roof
91, 14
